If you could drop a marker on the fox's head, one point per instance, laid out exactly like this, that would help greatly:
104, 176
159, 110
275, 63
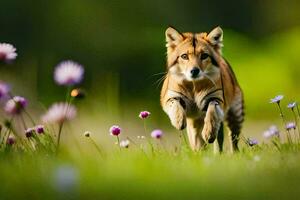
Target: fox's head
189, 55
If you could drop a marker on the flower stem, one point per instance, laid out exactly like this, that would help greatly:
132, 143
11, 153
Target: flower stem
97, 147
297, 125
284, 123
118, 142
59, 134
29, 116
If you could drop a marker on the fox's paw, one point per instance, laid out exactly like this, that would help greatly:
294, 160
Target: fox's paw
214, 117
179, 121
177, 117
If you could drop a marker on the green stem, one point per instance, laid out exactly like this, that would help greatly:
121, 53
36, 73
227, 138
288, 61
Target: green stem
29, 116
297, 125
284, 123
59, 134
97, 147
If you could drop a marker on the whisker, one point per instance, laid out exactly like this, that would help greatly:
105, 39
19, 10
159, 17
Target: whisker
160, 73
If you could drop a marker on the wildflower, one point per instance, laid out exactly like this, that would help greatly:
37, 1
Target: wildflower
40, 129
252, 142
29, 132
157, 133
272, 131
277, 99
7, 52
10, 140
115, 130
292, 105
124, 143
87, 134
68, 73
290, 125
59, 112
77, 93
4, 89
144, 114
15, 105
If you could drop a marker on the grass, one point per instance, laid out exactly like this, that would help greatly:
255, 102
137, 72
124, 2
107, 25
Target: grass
254, 173
94, 168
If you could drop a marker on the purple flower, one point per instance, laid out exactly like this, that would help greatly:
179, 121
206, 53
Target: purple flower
4, 89
124, 143
40, 129
115, 130
68, 73
15, 105
252, 142
29, 132
10, 140
7, 52
290, 125
276, 99
59, 112
292, 105
144, 114
157, 133
272, 131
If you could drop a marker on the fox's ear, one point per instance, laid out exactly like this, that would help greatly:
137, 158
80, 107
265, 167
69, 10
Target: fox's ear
215, 37
173, 37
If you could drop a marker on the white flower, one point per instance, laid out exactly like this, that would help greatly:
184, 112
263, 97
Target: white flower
68, 73
124, 143
7, 52
59, 112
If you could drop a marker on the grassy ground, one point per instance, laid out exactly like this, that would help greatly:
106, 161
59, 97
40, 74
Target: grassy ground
79, 171
259, 172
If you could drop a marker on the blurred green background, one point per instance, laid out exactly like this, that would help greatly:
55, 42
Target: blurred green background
122, 46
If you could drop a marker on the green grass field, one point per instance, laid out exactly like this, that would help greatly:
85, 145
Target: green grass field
255, 173
96, 168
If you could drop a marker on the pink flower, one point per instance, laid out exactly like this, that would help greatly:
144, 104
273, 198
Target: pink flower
29, 132
7, 52
59, 112
40, 129
157, 133
15, 105
115, 130
11, 140
68, 73
144, 114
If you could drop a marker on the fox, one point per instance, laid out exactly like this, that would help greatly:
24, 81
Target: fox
200, 91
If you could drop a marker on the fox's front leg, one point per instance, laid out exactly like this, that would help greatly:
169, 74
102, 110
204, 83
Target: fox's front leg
175, 109
212, 121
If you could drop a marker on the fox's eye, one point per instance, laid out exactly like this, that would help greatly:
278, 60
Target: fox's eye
184, 56
204, 56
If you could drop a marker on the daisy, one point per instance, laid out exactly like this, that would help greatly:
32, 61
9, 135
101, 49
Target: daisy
15, 105
276, 99
68, 73
59, 112
7, 52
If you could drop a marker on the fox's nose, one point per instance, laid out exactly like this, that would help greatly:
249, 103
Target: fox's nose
195, 72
